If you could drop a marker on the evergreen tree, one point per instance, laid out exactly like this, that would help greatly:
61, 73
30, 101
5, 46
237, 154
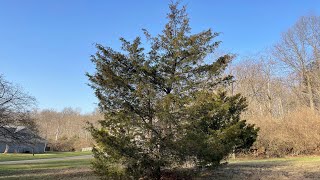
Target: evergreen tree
165, 107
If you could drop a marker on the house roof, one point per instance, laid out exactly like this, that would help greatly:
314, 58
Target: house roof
19, 134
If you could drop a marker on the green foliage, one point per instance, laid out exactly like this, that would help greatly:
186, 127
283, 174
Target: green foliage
215, 128
165, 107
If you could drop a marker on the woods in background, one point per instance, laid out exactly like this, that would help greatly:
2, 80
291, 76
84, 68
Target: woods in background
282, 87
65, 130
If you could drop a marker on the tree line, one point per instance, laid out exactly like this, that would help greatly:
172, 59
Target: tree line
281, 85
65, 130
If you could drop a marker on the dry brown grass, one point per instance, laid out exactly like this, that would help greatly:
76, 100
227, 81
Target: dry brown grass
277, 169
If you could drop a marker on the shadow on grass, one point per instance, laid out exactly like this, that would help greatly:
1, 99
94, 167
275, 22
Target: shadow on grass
248, 170
78, 174
42, 168
312, 175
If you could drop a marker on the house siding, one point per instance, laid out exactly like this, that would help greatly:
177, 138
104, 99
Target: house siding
21, 148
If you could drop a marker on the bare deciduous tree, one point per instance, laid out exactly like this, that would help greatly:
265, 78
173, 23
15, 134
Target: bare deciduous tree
299, 49
66, 130
15, 107
259, 80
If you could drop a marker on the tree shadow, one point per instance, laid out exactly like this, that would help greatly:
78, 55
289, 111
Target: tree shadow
82, 173
312, 175
250, 170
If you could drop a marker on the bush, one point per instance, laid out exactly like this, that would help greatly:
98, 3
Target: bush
64, 144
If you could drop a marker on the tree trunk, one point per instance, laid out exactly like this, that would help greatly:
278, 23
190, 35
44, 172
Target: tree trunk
157, 173
310, 93
44, 149
57, 133
233, 154
269, 98
281, 112
7, 149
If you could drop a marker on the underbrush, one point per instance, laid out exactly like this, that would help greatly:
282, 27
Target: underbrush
297, 133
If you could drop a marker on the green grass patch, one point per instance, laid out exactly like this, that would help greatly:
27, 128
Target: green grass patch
46, 165
20, 156
47, 170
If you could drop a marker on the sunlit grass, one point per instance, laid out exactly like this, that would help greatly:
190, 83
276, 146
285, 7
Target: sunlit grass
21, 156
284, 159
46, 170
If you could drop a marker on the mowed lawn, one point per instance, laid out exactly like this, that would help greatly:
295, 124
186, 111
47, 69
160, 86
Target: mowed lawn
277, 168
60, 169
24, 156
67, 169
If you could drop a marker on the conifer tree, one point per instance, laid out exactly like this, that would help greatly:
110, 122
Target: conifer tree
165, 106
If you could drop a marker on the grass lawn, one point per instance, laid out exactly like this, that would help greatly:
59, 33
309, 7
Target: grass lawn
20, 156
276, 168
67, 169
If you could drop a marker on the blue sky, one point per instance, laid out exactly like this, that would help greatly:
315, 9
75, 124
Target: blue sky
45, 46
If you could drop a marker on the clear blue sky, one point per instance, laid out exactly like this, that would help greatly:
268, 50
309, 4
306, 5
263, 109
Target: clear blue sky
45, 45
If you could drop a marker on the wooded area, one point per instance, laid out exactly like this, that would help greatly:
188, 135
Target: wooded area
65, 130
282, 89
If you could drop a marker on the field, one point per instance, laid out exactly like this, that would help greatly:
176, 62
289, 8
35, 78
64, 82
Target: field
279, 168
46, 166
68, 169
